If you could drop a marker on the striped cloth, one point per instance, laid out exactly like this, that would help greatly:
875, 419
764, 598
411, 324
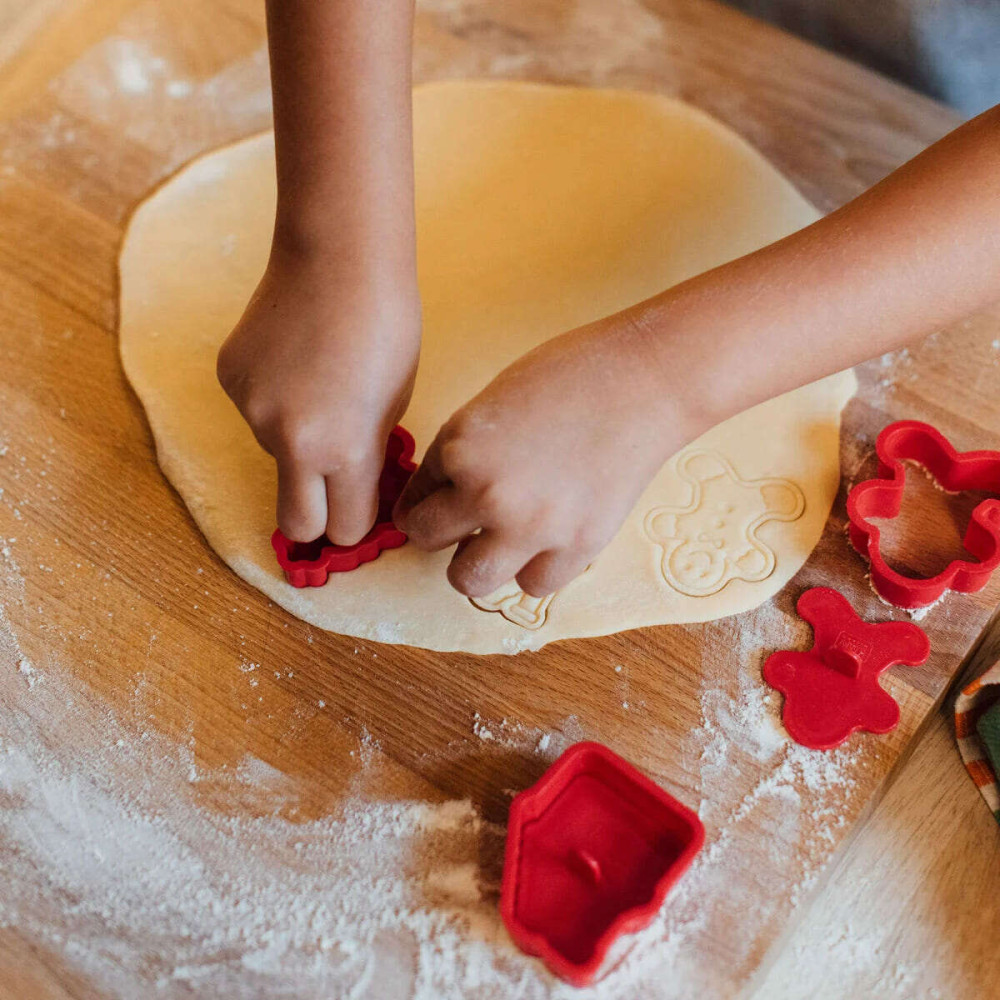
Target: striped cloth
977, 728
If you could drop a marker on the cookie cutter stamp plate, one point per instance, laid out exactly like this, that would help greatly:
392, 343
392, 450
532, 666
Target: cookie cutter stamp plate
956, 472
309, 564
833, 689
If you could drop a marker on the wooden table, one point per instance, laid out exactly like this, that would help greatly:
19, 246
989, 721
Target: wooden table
116, 597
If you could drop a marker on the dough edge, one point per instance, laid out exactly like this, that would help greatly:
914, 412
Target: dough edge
501, 637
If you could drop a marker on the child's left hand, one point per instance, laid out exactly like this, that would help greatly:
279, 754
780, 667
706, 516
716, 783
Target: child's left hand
548, 460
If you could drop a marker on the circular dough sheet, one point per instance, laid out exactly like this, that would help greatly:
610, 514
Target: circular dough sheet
539, 208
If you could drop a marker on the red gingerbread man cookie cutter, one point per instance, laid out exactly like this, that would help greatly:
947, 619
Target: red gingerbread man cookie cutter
309, 564
956, 472
833, 689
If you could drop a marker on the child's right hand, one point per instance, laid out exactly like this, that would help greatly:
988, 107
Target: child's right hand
321, 365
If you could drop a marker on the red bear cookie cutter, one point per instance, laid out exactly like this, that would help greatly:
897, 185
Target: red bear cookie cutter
309, 564
833, 689
911, 440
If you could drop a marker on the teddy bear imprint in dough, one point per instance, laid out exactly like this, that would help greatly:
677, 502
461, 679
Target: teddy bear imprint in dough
516, 606
713, 539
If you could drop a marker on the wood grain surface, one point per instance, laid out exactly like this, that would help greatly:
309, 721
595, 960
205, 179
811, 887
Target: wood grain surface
119, 591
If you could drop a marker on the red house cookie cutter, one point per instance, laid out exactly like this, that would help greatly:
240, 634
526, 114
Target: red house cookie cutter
592, 850
954, 471
833, 689
309, 564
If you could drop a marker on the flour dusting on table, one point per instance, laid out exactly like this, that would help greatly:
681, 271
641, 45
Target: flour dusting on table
116, 866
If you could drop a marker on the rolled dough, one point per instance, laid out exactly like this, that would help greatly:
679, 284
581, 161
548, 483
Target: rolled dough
539, 208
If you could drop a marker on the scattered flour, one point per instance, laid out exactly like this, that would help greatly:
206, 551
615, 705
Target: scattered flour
138, 70
758, 787
130, 83
508, 735
133, 67
919, 614
632, 38
857, 949
117, 862
916, 614
178, 88
378, 899
28, 671
115, 865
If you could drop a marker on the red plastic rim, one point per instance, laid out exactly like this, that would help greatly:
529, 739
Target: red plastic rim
592, 850
911, 440
309, 564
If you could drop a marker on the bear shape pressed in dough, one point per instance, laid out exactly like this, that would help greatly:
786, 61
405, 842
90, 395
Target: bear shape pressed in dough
714, 539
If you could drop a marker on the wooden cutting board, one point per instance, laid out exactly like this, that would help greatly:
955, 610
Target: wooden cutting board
116, 586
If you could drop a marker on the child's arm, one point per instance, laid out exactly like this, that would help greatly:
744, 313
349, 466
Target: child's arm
321, 365
549, 459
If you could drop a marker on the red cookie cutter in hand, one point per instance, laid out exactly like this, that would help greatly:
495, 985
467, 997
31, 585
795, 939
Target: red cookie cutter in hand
592, 849
910, 440
833, 689
309, 564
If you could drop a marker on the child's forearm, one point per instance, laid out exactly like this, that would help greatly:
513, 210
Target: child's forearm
322, 361
918, 251
598, 410
341, 77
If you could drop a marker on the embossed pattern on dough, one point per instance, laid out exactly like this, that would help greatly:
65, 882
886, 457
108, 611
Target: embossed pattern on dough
516, 606
714, 539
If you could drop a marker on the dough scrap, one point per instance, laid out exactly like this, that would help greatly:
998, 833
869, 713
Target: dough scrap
539, 208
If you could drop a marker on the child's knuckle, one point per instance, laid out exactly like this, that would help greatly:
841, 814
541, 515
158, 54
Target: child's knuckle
455, 457
548, 519
496, 502
259, 413
589, 536
298, 438
349, 456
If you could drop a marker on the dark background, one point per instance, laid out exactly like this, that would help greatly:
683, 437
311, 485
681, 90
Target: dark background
949, 49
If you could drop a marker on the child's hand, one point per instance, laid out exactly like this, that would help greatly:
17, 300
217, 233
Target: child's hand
547, 461
322, 369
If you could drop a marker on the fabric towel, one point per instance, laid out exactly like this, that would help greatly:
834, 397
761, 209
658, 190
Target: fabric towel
977, 728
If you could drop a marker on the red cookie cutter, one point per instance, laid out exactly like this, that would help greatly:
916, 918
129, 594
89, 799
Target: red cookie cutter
592, 850
833, 689
309, 564
954, 471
